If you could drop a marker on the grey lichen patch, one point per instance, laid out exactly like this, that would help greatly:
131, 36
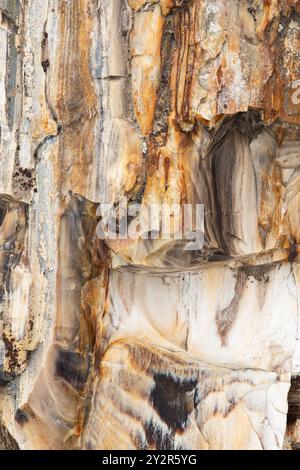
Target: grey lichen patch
260, 273
23, 182
7, 442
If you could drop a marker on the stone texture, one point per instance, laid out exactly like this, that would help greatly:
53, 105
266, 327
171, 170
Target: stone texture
166, 102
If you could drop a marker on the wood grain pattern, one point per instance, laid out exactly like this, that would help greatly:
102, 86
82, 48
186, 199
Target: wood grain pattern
144, 345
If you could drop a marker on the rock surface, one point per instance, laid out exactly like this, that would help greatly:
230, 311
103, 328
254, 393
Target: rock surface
139, 344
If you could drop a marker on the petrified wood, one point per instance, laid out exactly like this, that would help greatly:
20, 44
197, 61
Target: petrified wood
138, 343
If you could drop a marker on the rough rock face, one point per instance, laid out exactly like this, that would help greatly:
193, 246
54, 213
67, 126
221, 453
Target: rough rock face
138, 343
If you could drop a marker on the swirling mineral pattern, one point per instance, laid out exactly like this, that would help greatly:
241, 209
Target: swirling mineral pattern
143, 342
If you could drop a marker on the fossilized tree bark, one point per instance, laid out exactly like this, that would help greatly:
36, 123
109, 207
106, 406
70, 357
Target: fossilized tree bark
134, 345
